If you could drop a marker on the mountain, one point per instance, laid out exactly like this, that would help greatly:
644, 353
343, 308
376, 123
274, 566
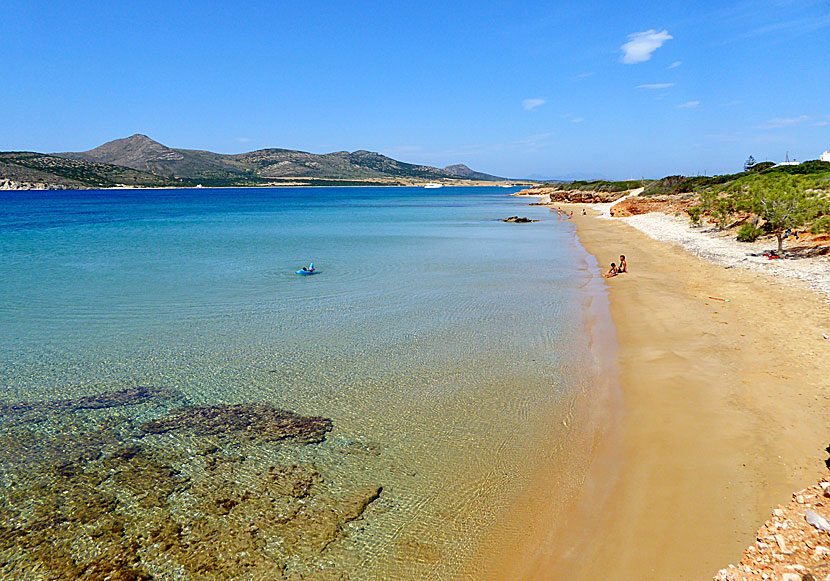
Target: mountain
267, 166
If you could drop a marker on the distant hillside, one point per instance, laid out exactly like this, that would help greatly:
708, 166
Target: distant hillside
25, 170
463, 171
267, 166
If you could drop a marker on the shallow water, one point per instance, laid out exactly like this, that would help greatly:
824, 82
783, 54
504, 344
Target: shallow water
450, 345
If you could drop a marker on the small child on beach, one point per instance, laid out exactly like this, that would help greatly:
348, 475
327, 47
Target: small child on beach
611, 271
623, 266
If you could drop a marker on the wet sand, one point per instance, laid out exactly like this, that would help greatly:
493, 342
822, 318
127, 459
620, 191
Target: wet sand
723, 413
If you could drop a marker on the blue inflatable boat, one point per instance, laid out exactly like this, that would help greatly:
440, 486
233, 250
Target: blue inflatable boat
307, 269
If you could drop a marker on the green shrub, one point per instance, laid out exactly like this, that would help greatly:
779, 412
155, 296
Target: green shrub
695, 213
748, 233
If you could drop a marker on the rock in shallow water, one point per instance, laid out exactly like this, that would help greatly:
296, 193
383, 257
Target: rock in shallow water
105, 501
258, 422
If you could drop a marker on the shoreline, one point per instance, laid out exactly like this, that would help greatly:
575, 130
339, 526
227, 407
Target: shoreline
724, 408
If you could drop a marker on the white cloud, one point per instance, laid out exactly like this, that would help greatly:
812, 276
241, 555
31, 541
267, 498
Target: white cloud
530, 104
243, 139
641, 44
674, 65
782, 122
577, 120
585, 75
688, 105
656, 86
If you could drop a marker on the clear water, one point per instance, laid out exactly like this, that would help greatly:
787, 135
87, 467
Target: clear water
455, 341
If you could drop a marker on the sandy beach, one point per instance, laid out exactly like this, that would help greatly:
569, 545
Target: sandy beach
723, 376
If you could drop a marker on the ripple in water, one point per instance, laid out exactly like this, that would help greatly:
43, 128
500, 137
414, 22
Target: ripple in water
445, 346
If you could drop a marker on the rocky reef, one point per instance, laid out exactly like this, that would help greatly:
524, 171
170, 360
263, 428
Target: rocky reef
517, 220
90, 492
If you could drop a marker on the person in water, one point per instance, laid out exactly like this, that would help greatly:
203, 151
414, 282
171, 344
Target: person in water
611, 271
623, 266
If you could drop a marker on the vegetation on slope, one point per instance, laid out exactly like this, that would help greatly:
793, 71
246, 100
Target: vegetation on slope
32, 167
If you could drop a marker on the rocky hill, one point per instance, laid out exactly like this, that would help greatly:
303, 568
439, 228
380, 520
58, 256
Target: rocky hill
267, 166
463, 171
29, 170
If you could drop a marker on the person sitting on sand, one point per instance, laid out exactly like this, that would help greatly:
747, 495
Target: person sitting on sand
623, 266
611, 271
584, 213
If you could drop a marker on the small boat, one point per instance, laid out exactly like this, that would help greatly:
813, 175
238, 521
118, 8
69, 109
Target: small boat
307, 269
432, 186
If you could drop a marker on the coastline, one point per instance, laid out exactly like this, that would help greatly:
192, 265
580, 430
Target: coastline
723, 416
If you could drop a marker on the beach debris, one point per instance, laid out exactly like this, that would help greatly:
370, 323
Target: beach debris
825, 335
722, 300
817, 520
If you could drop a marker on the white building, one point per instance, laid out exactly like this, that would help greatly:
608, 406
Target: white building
825, 156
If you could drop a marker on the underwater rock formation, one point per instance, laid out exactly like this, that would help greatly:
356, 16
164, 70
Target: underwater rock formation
132, 396
101, 498
247, 421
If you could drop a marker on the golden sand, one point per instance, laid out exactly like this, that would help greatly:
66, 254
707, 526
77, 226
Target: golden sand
725, 410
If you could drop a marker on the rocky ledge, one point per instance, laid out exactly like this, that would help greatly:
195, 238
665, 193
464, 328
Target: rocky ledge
573, 196
667, 204
794, 545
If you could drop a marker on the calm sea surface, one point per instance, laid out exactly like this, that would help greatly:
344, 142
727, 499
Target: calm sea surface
447, 345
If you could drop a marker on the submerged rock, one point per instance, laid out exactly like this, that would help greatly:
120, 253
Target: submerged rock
245, 421
517, 220
101, 500
110, 399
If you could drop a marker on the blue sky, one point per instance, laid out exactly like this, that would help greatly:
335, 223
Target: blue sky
614, 89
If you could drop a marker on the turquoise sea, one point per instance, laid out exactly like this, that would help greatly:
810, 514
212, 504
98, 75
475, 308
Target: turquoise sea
450, 350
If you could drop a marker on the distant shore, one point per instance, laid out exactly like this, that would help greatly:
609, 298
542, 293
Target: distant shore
8, 185
724, 405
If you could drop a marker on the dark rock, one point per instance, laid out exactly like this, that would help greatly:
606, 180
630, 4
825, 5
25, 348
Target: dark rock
257, 422
93, 501
517, 220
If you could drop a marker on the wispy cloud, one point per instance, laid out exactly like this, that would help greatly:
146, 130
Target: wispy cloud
656, 86
641, 44
799, 26
784, 122
688, 105
585, 75
243, 139
530, 104
577, 120
674, 65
